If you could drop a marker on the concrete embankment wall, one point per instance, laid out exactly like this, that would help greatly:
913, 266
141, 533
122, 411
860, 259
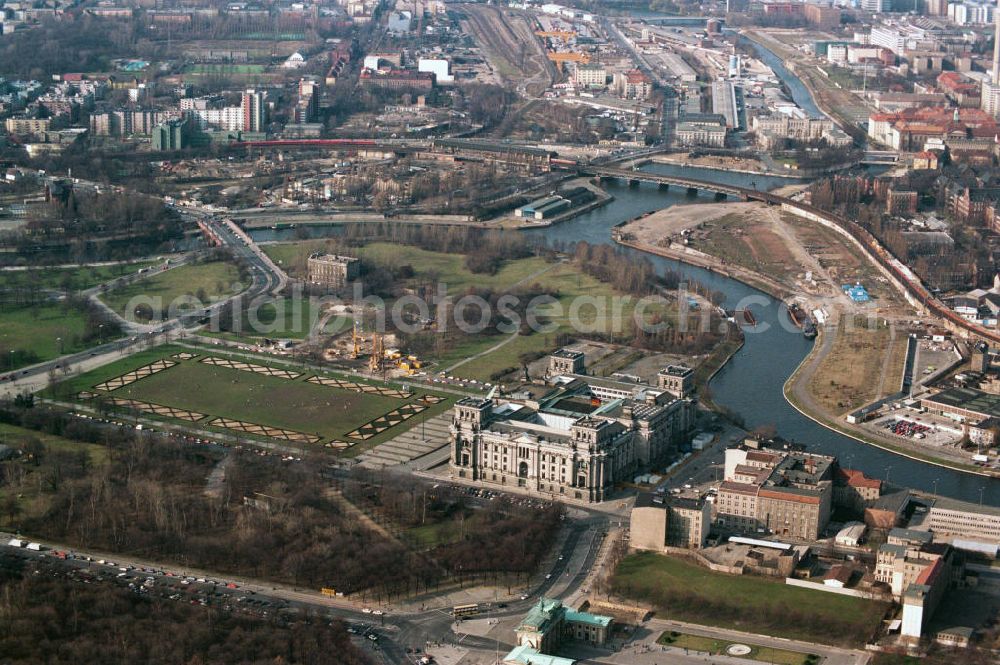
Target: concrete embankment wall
856, 593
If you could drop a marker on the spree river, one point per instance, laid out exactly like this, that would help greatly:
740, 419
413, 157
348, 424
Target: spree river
752, 383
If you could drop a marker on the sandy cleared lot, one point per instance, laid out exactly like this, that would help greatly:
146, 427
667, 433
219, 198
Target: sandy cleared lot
675, 219
864, 364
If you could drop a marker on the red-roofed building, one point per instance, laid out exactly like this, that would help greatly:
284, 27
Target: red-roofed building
909, 129
925, 161
838, 576
633, 84
960, 89
853, 490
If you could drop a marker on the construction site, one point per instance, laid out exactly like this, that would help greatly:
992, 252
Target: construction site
372, 350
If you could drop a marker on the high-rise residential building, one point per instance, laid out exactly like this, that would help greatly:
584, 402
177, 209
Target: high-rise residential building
996, 46
936, 7
253, 111
169, 136
307, 106
990, 101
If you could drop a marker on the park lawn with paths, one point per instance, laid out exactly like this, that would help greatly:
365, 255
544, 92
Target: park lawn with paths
267, 400
37, 329
216, 278
685, 591
70, 279
569, 283
449, 269
284, 318
564, 279
257, 398
70, 386
716, 647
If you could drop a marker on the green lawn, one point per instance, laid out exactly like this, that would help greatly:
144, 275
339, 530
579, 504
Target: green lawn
87, 380
15, 437
898, 659
688, 592
69, 279
564, 279
715, 647
284, 318
289, 404
293, 404
33, 334
215, 280
434, 535
570, 284
448, 269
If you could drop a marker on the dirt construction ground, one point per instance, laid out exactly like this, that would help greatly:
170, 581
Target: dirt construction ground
810, 260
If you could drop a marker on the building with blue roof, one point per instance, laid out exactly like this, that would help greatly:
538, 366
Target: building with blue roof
857, 293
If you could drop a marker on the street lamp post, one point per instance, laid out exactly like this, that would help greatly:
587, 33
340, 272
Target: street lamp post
59, 341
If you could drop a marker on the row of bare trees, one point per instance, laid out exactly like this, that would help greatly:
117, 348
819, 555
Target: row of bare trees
156, 497
61, 618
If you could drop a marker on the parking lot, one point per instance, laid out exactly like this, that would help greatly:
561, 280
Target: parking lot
220, 594
910, 425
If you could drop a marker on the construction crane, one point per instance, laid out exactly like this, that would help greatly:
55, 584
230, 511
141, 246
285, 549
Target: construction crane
560, 57
377, 359
356, 340
564, 35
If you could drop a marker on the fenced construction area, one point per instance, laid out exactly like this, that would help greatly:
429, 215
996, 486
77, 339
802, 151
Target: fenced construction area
254, 398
